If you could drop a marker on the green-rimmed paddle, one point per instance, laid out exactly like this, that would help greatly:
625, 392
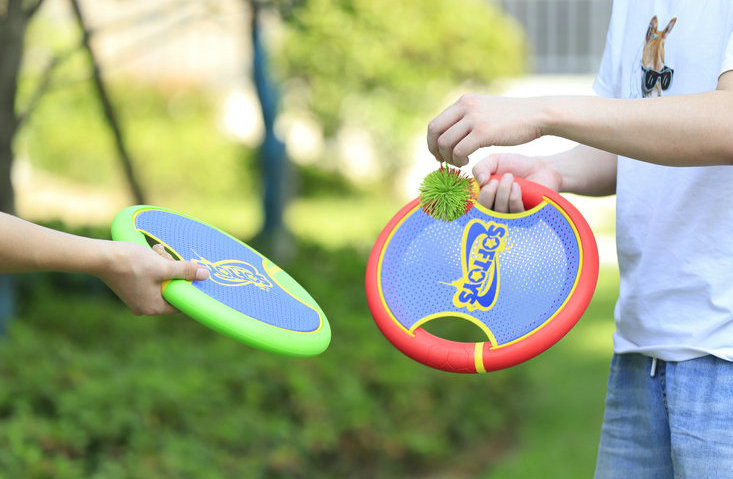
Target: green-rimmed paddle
247, 297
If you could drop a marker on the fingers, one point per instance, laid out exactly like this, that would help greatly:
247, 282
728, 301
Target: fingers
135, 273
448, 143
160, 249
454, 144
459, 130
188, 271
487, 194
182, 269
439, 125
483, 170
468, 144
502, 196
516, 205
451, 135
155, 304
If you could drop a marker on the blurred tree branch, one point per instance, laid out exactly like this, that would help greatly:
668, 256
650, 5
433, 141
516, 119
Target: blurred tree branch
43, 85
110, 113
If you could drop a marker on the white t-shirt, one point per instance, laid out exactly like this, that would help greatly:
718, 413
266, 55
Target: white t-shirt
674, 225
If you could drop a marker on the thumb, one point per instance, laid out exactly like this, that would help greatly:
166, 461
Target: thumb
188, 271
483, 170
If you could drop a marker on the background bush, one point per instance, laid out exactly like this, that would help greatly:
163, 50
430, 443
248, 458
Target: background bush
88, 390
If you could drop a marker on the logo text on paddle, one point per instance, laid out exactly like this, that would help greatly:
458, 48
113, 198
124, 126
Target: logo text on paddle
234, 273
482, 243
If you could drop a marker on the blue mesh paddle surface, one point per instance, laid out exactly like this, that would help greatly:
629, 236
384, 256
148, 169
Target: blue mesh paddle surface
240, 277
509, 273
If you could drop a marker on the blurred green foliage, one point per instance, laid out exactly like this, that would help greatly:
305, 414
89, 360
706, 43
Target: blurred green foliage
172, 127
564, 398
87, 390
171, 130
386, 65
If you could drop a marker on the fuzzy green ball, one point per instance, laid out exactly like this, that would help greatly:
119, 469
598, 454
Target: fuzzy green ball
447, 194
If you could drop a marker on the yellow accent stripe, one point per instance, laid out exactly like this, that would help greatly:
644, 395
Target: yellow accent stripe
379, 269
528, 212
475, 189
478, 358
274, 268
451, 314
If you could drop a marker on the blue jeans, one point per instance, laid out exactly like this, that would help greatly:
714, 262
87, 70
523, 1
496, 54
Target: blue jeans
667, 419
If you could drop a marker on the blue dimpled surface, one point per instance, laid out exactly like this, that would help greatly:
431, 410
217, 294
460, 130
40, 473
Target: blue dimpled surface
427, 269
240, 277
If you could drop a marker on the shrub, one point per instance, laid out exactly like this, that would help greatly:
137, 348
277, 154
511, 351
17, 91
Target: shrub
87, 390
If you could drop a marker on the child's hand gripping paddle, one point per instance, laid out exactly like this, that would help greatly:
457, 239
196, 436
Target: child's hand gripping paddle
246, 297
524, 279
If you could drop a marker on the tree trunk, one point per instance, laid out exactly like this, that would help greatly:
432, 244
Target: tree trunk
12, 31
13, 23
274, 237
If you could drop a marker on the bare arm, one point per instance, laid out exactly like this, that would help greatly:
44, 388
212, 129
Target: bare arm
685, 130
132, 271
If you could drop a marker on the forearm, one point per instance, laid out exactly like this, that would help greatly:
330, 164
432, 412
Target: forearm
585, 170
26, 247
134, 272
686, 130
